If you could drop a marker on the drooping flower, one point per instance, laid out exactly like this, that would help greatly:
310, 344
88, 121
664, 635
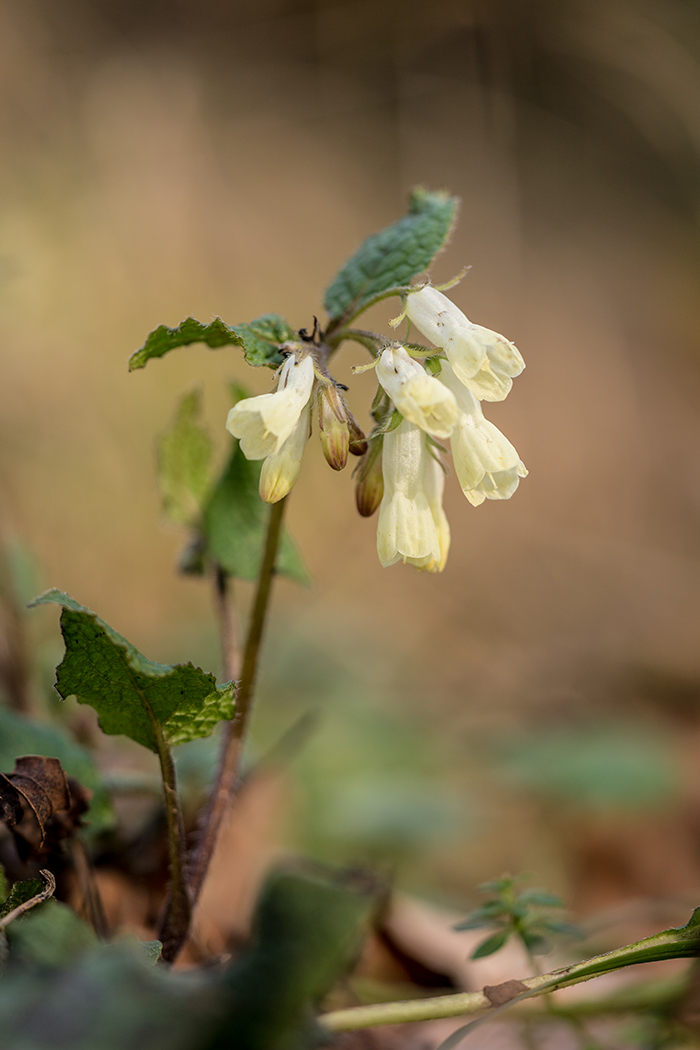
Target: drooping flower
406, 528
262, 424
281, 469
486, 464
434, 484
420, 398
483, 360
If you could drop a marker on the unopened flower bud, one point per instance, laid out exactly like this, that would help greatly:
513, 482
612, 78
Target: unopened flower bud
370, 479
334, 426
358, 441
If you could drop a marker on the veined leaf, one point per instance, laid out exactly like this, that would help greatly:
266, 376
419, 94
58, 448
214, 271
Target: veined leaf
163, 339
390, 258
260, 339
131, 694
184, 462
235, 520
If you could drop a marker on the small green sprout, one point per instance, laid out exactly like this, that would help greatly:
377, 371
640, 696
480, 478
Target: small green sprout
516, 914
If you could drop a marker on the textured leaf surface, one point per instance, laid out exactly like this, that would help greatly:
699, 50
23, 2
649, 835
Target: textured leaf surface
127, 690
163, 339
260, 339
20, 893
184, 462
20, 736
392, 257
235, 521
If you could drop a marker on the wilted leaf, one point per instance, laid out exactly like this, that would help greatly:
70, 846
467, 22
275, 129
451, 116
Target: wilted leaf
392, 257
491, 945
235, 522
20, 736
38, 805
128, 691
184, 462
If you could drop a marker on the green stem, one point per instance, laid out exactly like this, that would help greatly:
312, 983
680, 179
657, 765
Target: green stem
346, 319
226, 784
670, 944
176, 918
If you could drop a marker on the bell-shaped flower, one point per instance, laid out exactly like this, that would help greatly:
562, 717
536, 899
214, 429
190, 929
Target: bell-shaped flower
483, 360
434, 485
264, 423
420, 398
486, 464
281, 469
406, 527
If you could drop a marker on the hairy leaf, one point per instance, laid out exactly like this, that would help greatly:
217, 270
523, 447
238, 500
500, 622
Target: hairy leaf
20, 736
260, 339
390, 259
130, 693
163, 339
235, 520
184, 462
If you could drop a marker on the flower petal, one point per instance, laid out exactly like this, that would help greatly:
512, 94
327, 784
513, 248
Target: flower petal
263, 423
406, 529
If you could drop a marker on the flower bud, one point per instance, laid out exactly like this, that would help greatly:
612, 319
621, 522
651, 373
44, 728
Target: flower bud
334, 426
370, 479
358, 441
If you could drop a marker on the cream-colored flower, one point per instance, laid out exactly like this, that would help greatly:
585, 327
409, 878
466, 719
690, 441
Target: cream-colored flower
263, 424
483, 360
281, 469
434, 484
420, 398
406, 528
487, 465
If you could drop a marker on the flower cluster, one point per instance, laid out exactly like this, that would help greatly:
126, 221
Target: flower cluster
402, 469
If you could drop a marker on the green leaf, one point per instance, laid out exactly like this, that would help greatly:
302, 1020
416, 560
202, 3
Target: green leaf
184, 462
306, 930
390, 259
20, 736
566, 929
129, 692
491, 945
541, 898
19, 894
235, 520
163, 339
433, 365
260, 339
50, 935
482, 916
534, 942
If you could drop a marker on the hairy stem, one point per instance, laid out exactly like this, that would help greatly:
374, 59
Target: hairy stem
228, 625
175, 922
226, 783
670, 944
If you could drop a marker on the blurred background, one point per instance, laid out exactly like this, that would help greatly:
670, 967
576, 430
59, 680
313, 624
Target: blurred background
537, 707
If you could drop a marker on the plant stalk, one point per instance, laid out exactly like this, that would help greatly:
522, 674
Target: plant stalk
175, 922
226, 784
228, 626
680, 943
